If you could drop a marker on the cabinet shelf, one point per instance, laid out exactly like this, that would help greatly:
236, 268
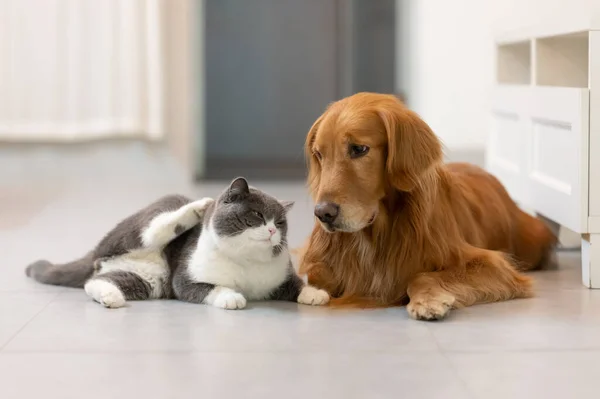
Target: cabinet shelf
514, 63
563, 60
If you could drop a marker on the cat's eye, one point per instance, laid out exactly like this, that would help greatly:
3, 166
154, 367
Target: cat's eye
280, 223
257, 214
357, 151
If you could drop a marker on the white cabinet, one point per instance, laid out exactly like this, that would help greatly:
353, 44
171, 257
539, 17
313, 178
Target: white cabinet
507, 153
538, 149
558, 155
545, 131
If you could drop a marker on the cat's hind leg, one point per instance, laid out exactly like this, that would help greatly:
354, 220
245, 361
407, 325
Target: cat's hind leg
105, 292
137, 275
114, 288
167, 226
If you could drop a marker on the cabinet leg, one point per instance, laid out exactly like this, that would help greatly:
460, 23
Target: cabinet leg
590, 260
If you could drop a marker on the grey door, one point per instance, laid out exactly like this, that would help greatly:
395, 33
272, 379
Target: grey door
270, 72
272, 66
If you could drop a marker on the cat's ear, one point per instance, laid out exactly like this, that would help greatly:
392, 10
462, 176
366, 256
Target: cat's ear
287, 205
237, 189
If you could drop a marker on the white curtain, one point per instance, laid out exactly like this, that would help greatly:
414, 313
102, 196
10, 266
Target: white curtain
76, 70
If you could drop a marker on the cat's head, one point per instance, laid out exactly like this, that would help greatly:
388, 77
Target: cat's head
249, 220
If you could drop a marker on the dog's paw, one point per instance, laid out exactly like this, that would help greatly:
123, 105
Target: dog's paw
430, 307
200, 206
105, 293
229, 299
312, 296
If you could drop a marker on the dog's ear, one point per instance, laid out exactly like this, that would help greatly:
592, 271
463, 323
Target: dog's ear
311, 161
412, 147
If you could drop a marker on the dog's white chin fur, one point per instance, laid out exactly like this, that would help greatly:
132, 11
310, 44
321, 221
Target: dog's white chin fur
345, 228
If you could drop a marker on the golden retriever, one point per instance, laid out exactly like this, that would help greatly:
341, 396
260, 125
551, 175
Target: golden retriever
395, 225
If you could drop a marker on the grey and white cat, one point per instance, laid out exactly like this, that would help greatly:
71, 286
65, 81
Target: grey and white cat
220, 252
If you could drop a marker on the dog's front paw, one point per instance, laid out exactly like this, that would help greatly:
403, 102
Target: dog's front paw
312, 296
229, 299
201, 205
430, 307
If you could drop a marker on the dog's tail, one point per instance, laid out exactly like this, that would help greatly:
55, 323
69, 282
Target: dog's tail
535, 243
73, 274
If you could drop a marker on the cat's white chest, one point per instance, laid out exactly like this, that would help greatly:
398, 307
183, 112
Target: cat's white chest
255, 279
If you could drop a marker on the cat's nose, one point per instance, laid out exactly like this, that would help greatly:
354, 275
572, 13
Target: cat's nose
327, 212
272, 230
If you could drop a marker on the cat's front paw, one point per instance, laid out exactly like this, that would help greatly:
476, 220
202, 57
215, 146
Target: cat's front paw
201, 205
228, 299
312, 296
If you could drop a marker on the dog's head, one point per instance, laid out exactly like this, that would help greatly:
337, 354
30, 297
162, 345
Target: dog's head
359, 150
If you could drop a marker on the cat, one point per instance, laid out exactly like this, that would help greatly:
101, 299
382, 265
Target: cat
221, 252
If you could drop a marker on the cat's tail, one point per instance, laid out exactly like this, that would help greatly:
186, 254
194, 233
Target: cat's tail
73, 274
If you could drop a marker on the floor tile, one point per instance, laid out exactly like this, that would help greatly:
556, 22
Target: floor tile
17, 309
174, 326
554, 319
227, 375
60, 344
529, 375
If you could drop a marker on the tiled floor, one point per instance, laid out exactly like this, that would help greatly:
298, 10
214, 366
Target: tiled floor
56, 343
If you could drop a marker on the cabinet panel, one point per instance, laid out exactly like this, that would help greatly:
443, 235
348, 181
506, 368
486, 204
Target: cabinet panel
538, 149
557, 163
505, 156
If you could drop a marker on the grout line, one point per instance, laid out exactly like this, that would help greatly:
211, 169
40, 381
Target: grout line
185, 352
386, 352
192, 351
28, 322
518, 351
452, 366
37, 291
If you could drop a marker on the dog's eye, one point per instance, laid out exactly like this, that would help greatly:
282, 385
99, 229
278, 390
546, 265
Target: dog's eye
357, 151
317, 154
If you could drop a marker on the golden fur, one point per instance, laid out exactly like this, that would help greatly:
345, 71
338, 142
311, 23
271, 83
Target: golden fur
410, 228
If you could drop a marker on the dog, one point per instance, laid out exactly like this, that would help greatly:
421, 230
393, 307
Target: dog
396, 226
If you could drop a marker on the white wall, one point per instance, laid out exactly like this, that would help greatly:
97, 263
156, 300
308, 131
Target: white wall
446, 61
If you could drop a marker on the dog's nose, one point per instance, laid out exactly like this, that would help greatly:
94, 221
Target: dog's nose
327, 212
